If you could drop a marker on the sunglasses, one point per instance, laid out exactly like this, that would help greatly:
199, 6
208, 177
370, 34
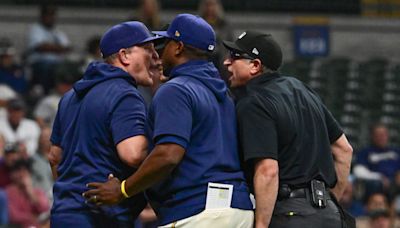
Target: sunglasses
236, 55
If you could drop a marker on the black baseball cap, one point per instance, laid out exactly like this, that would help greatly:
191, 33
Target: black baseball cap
16, 104
259, 46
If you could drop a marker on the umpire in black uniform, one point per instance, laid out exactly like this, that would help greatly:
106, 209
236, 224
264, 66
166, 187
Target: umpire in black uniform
297, 156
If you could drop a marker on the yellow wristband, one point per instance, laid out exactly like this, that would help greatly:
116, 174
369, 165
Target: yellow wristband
123, 189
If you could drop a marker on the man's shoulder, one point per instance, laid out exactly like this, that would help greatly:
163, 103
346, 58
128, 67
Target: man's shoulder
179, 81
115, 87
174, 86
255, 97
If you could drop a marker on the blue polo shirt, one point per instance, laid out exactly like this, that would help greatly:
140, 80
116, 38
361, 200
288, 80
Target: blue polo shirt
101, 110
194, 110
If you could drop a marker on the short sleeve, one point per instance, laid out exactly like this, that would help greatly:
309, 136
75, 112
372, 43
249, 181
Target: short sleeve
257, 131
128, 118
334, 130
172, 114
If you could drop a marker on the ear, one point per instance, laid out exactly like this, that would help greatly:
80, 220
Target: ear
123, 58
179, 48
256, 67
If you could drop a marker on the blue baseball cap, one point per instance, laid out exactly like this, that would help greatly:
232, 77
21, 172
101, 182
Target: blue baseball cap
191, 30
124, 35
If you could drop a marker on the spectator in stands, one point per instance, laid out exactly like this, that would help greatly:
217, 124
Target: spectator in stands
93, 52
380, 219
41, 172
66, 74
47, 46
12, 153
377, 204
3, 208
6, 94
377, 163
11, 73
17, 128
377, 201
26, 204
149, 14
212, 11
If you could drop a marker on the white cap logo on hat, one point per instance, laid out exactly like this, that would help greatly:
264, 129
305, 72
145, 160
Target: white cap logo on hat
177, 34
211, 47
242, 35
255, 51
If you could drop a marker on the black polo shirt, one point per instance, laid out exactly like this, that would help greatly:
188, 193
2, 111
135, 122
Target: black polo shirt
282, 119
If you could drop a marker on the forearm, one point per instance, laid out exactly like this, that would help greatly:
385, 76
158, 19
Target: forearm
148, 174
54, 158
342, 154
342, 173
158, 165
54, 171
266, 182
266, 191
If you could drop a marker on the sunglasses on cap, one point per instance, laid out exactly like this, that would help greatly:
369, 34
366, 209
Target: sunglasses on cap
237, 55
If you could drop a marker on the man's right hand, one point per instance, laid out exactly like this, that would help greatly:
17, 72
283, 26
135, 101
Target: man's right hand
107, 193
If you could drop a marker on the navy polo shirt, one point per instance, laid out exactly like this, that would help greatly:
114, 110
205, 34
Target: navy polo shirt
103, 109
193, 110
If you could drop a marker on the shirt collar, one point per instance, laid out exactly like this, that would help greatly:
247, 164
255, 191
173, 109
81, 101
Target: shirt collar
243, 91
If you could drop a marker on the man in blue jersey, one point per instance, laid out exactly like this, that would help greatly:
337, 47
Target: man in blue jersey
99, 129
193, 171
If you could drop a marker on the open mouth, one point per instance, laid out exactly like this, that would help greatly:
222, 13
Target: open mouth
230, 76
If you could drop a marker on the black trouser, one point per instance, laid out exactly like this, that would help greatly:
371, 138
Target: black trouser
298, 212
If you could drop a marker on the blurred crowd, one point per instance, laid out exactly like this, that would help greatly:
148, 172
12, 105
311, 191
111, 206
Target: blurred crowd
32, 84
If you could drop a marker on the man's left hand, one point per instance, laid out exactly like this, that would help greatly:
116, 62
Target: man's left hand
107, 193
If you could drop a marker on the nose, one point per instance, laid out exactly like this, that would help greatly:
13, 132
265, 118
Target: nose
153, 52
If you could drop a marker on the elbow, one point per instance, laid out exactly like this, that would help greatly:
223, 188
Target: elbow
269, 171
54, 158
137, 158
271, 174
349, 149
349, 153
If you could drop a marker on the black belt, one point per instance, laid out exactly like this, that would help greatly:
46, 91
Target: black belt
299, 193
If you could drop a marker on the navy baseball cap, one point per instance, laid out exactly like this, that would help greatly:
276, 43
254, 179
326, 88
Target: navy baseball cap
124, 35
191, 30
259, 46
